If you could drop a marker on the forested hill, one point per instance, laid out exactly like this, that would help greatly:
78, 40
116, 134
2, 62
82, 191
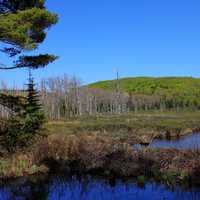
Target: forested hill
179, 86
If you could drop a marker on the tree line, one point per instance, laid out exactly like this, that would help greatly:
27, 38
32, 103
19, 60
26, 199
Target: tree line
65, 98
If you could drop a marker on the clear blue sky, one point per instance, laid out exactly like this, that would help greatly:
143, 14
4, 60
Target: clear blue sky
139, 37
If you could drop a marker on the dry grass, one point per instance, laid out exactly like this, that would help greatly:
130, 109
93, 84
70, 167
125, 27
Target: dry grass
111, 157
105, 156
20, 165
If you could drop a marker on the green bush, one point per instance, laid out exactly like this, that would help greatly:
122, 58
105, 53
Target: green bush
21, 130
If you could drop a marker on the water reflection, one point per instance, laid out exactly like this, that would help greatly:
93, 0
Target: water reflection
58, 188
187, 142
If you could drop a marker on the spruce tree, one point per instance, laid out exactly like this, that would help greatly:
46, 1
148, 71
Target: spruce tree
33, 96
34, 115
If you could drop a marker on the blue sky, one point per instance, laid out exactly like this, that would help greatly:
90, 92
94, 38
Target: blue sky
139, 37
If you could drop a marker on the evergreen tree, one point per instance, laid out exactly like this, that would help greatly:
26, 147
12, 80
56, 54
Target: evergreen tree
34, 115
33, 97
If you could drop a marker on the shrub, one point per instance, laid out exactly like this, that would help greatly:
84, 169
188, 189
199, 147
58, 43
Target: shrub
21, 131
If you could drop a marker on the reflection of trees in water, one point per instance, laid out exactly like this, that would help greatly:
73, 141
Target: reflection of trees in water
72, 188
60, 188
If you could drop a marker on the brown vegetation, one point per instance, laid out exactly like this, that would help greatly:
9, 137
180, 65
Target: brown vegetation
107, 157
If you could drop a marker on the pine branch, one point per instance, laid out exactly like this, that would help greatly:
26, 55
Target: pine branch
32, 62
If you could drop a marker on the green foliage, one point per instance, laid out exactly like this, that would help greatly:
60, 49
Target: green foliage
23, 26
151, 86
34, 116
33, 101
22, 130
25, 29
35, 62
15, 5
14, 103
15, 135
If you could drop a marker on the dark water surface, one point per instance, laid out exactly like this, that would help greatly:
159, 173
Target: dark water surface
58, 188
187, 142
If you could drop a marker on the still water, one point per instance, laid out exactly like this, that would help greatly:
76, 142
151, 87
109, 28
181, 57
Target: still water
59, 188
187, 142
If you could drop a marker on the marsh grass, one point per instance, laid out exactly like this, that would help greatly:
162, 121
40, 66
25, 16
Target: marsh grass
130, 128
99, 146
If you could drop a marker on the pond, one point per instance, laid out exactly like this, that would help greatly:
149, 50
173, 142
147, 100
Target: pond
59, 188
187, 142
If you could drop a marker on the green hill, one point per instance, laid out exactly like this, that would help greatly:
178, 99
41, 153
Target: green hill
172, 91
151, 86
